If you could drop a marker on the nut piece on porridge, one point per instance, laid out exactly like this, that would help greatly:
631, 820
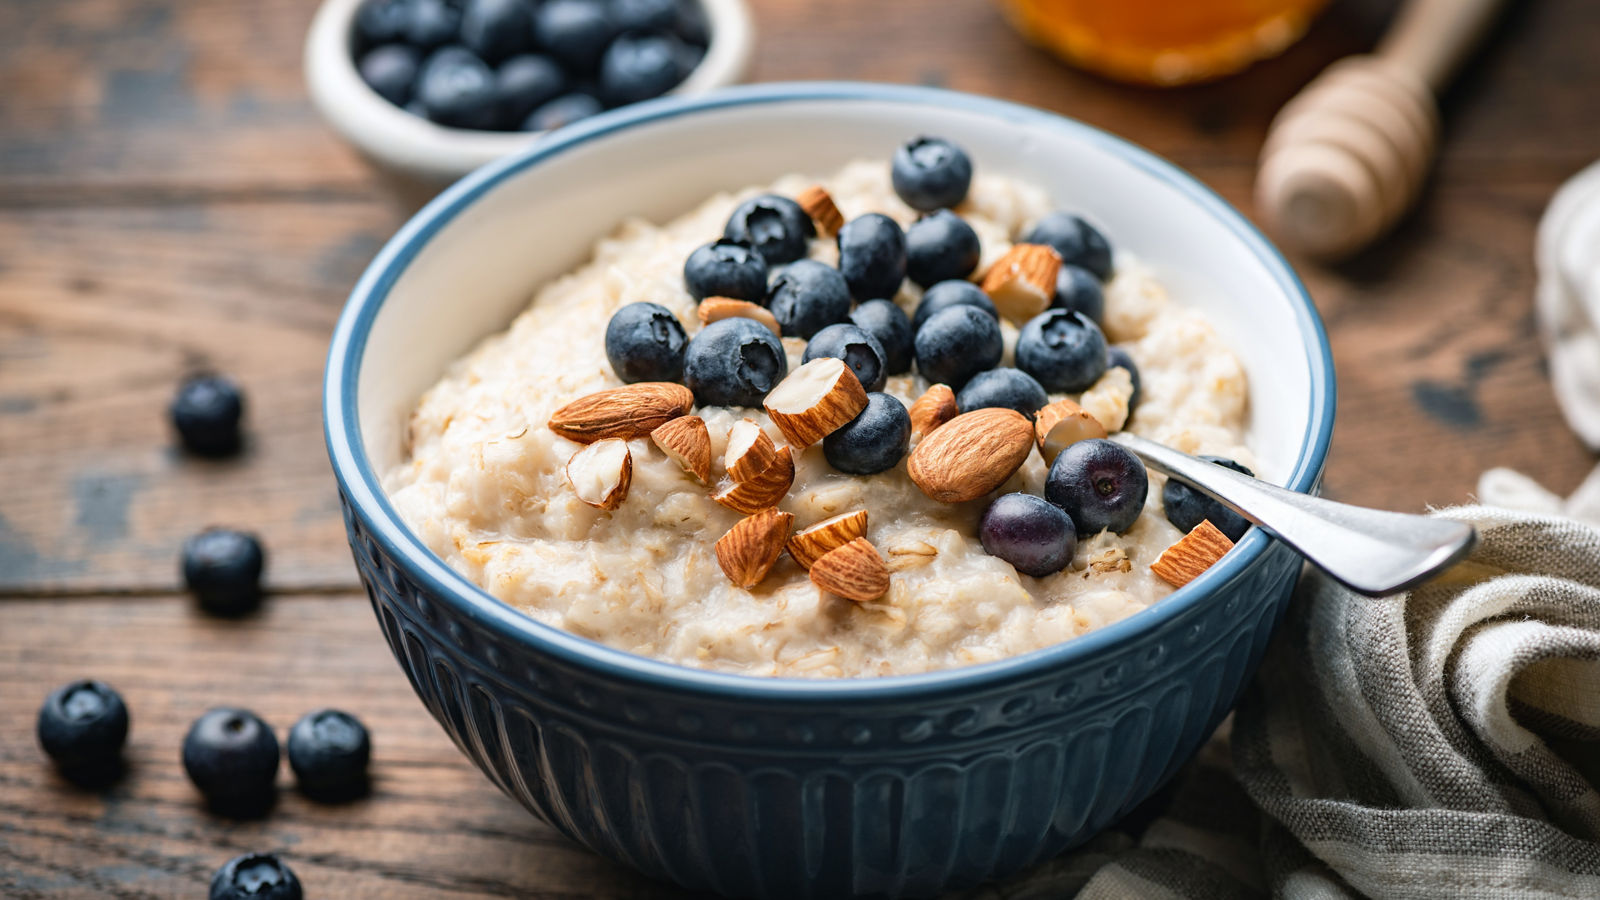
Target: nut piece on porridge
854, 571
762, 490
750, 451
601, 473
972, 454
752, 546
810, 543
686, 441
715, 309
630, 411
819, 205
1184, 561
1062, 424
815, 401
936, 406
1023, 282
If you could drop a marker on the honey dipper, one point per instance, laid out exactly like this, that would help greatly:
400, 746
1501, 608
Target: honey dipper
1347, 156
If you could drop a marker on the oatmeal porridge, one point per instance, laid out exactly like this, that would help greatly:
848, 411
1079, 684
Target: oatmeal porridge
625, 543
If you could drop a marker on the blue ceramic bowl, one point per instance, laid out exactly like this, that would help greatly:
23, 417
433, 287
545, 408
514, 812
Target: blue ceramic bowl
753, 787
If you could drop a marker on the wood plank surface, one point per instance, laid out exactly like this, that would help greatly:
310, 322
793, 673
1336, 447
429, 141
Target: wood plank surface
169, 201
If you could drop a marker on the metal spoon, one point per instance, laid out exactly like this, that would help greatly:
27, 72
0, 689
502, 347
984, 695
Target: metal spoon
1370, 551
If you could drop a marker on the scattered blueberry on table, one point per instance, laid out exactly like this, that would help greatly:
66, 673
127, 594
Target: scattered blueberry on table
207, 411
874, 441
329, 751
255, 876
222, 568
232, 757
1031, 533
82, 726
1100, 484
861, 352
1186, 507
523, 65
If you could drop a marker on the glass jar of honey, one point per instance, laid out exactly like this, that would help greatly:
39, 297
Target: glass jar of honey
1162, 42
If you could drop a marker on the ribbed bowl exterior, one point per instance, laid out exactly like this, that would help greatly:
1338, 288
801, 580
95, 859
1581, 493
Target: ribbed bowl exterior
804, 800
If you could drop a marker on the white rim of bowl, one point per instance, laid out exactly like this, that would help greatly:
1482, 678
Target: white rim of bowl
393, 137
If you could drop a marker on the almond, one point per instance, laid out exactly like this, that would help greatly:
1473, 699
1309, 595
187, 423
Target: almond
713, 309
601, 473
819, 205
751, 547
1062, 424
1111, 559
750, 450
971, 455
1023, 281
936, 406
762, 491
688, 443
1194, 553
854, 571
630, 411
815, 400
811, 542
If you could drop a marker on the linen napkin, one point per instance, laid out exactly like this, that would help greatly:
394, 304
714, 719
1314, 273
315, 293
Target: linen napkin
1441, 743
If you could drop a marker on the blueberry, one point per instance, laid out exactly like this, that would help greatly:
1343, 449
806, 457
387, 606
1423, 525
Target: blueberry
694, 26
1100, 484
872, 442
1186, 507
329, 751
1115, 357
931, 173
1076, 240
733, 362
563, 110
206, 412
390, 70
857, 347
1005, 387
430, 23
640, 66
1078, 290
726, 268
941, 246
645, 342
575, 31
1030, 533
872, 256
381, 22
807, 296
956, 344
776, 226
497, 29
644, 15
946, 294
458, 90
255, 876
232, 757
525, 83
82, 727
222, 568
892, 327
1064, 350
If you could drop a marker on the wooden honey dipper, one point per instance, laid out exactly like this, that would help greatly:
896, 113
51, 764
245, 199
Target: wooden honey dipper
1347, 156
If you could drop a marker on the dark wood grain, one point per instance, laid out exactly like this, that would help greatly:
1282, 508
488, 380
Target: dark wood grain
169, 201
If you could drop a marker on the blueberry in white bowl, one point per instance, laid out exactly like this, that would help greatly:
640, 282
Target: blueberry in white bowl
1032, 534
1120, 358
950, 293
496, 29
733, 362
726, 268
861, 352
526, 82
1100, 484
931, 173
1078, 242
645, 342
874, 441
457, 89
775, 226
391, 70
956, 344
1186, 507
577, 32
1064, 350
807, 296
640, 66
941, 246
1004, 387
1078, 290
892, 327
563, 110
872, 256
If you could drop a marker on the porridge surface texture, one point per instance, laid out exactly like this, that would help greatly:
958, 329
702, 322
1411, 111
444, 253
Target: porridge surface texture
483, 484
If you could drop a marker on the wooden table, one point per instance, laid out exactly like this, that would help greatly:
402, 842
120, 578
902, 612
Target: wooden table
168, 200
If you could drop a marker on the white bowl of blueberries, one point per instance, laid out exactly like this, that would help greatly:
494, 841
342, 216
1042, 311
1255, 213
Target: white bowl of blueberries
431, 89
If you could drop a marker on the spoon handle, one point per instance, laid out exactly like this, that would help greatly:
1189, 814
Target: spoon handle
1370, 551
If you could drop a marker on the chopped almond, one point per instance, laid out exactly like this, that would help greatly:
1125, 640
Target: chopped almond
1023, 281
714, 309
761, 491
810, 543
854, 571
815, 400
750, 451
1194, 553
752, 546
601, 473
936, 406
1062, 424
819, 205
687, 442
